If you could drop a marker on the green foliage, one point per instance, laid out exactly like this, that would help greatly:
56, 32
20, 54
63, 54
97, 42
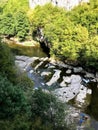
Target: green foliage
11, 25
90, 53
12, 100
21, 25
19, 122
12, 6
7, 26
46, 15
14, 21
47, 108
70, 33
7, 62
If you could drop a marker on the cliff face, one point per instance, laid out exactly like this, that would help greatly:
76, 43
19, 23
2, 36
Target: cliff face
67, 4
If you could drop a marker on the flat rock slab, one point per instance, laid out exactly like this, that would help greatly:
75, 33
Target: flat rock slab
54, 78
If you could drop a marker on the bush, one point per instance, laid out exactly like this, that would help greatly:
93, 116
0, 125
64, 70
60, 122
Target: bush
7, 62
12, 99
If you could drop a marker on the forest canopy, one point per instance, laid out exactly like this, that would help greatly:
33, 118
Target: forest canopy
72, 34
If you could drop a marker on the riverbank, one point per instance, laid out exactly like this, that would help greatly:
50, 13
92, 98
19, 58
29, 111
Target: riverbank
23, 43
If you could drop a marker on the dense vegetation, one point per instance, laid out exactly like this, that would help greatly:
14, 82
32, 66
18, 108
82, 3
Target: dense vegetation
73, 35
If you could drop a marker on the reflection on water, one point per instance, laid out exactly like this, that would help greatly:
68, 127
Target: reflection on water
18, 49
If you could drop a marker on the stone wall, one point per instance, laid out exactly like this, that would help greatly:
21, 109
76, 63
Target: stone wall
67, 4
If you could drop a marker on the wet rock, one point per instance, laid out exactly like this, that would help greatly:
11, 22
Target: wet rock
54, 78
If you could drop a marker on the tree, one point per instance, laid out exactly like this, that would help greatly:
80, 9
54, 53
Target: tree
21, 25
12, 99
7, 64
12, 6
7, 26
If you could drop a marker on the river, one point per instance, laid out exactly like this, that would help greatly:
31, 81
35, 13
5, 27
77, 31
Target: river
39, 70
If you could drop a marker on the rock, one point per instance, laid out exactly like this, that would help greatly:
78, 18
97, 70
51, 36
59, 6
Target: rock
51, 67
63, 83
20, 64
54, 78
52, 61
62, 64
69, 92
32, 60
75, 115
68, 71
89, 91
21, 58
75, 79
82, 100
31, 71
67, 79
89, 75
77, 69
45, 73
